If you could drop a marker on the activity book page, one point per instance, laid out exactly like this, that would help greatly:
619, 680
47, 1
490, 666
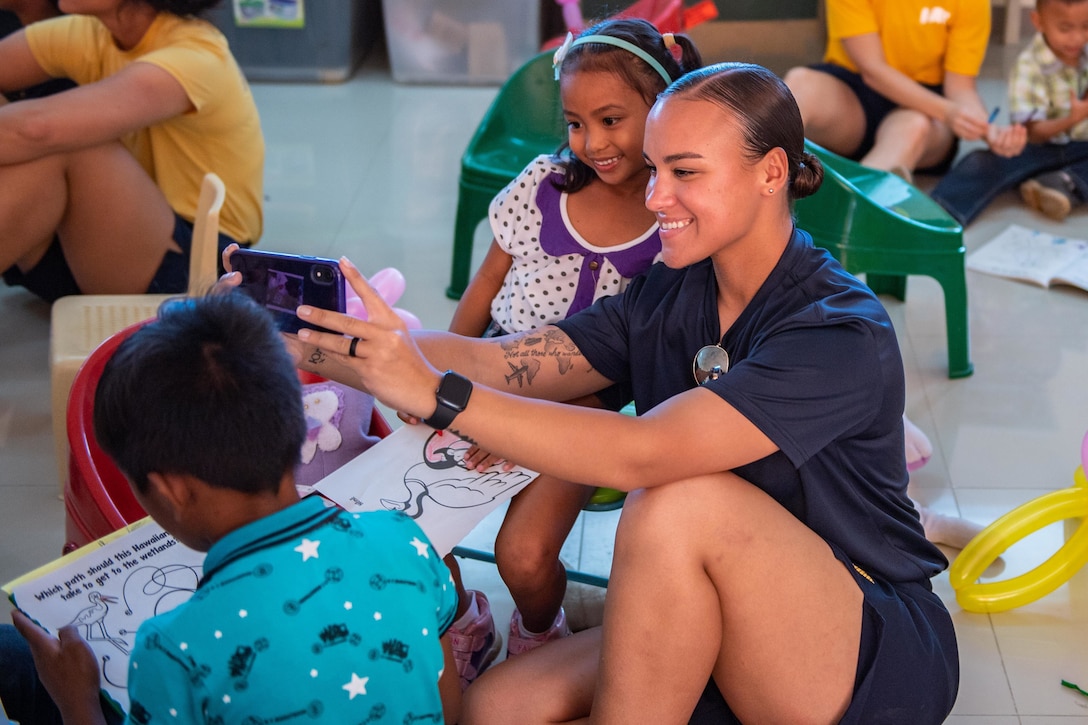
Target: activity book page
1033, 256
107, 588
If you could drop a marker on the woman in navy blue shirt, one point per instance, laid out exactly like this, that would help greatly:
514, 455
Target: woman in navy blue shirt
769, 566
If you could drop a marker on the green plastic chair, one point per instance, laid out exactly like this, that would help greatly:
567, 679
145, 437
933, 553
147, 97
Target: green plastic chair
876, 223
524, 121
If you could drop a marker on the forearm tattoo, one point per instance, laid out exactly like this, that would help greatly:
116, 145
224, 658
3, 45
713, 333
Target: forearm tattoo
525, 354
458, 433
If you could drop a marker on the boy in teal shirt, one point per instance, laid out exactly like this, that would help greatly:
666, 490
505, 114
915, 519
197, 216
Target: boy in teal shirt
304, 612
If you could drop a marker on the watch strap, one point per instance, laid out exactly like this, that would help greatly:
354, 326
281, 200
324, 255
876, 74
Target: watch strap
451, 396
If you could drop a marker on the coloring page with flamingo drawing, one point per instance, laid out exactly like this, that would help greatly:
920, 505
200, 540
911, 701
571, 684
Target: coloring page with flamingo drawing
421, 472
107, 589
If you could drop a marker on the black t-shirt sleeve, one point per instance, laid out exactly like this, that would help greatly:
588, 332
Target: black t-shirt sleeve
601, 334
808, 386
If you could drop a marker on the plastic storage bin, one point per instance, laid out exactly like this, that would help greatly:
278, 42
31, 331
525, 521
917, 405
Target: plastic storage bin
460, 41
336, 36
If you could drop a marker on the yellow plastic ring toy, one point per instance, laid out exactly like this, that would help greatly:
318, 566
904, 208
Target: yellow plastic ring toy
1026, 519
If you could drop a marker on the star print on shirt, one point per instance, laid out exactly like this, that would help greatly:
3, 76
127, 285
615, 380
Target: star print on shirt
357, 686
308, 549
421, 547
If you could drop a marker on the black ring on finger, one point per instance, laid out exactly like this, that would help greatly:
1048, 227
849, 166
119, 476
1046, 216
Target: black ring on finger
351, 347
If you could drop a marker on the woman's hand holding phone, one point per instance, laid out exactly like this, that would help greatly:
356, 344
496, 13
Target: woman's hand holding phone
386, 361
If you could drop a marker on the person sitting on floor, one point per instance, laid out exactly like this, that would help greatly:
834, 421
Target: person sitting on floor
101, 182
1046, 94
898, 85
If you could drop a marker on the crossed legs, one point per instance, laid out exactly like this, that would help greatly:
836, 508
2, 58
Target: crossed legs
113, 222
909, 139
834, 118
831, 113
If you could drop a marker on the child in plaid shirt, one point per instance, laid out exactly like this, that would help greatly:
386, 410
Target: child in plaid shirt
1046, 94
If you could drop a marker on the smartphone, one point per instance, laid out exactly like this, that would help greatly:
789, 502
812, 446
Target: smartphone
282, 282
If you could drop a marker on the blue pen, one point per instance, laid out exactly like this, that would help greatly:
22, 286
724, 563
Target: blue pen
993, 114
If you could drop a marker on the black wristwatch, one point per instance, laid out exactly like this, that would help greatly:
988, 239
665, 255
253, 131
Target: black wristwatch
452, 396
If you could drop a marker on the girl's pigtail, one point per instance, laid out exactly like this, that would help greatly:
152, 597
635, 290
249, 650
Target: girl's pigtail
687, 57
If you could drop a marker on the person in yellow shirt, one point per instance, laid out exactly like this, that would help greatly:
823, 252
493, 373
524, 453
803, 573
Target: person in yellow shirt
897, 87
111, 170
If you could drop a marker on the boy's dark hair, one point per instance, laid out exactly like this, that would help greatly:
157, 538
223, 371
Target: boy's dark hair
765, 111
635, 72
206, 389
183, 7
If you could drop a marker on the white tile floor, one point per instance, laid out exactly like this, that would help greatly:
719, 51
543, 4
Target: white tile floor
369, 169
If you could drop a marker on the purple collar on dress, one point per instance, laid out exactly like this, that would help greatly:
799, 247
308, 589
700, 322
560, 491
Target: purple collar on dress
557, 240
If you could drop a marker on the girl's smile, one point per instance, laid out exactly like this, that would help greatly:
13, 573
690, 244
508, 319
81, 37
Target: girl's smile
606, 119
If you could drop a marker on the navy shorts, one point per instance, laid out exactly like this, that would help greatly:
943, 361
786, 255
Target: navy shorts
908, 662
52, 279
876, 108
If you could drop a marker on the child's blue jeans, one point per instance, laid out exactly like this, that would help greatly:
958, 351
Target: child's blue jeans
981, 176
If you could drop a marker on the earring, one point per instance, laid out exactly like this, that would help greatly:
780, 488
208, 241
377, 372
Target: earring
770, 191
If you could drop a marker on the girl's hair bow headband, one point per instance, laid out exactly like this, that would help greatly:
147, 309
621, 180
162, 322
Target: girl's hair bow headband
570, 42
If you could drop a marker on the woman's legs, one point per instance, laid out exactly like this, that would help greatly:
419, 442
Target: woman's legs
832, 115
527, 547
909, 139
551, 684
113, 222
711, 575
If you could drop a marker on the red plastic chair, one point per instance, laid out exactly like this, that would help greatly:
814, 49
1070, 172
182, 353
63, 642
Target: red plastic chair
668, 16
97, 498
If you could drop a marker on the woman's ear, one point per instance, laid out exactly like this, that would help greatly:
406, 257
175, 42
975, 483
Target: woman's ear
775, 168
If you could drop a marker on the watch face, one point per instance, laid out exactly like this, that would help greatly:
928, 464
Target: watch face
454, 391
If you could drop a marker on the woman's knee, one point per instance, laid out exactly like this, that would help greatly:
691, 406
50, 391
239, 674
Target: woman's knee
907, 127
805, 84
687, 511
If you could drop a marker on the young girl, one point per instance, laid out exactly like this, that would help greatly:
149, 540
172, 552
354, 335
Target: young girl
569, 229
101, 181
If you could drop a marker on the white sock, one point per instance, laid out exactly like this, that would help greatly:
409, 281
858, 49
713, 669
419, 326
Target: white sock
470, 614
948, 530
917, 445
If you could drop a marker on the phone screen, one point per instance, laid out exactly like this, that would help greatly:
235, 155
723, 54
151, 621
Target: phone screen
284, 291
282, 282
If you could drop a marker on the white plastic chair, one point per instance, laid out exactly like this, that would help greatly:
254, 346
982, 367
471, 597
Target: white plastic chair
81, 322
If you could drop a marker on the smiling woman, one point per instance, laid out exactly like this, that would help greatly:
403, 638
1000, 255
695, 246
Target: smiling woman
111, 170
780, 546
